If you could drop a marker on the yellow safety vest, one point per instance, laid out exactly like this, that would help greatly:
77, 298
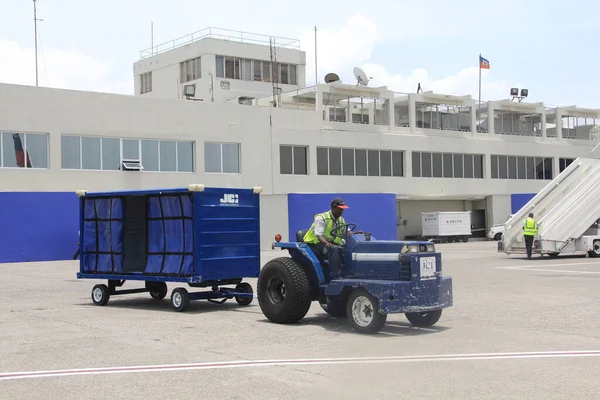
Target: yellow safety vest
310, 236
530, 227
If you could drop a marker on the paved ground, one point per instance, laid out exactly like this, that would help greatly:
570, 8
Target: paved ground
48, 323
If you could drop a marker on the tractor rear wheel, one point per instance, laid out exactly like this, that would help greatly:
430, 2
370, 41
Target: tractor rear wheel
283, 290
423, 319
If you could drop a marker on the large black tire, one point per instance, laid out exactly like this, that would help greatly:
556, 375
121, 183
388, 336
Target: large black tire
424, 319
283, 291
596, 249
362, 312
497, 237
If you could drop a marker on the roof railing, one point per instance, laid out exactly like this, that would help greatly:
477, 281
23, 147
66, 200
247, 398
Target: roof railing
223, 34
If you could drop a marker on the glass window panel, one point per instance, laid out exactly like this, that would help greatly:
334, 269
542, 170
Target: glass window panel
131, 149
468, 165
9, 157
300, 165
512, 167
398, 163
458, 165
168, 156
36, 145
447, 164
69, 152
212, 157
521, 170
90, 152
185, 156
322, 161
111, 154
150, 155
231, 158
335, 161
373, 160
416, 164
348, 162
426, 165
502, 167
437, 165
285, 160
494, 166
386, 163
360, 161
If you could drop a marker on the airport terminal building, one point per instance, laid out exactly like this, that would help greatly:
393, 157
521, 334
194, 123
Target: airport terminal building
230, 109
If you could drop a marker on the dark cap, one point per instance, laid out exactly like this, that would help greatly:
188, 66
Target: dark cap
339, 203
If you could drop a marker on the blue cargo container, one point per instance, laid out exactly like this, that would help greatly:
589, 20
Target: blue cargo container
204, 237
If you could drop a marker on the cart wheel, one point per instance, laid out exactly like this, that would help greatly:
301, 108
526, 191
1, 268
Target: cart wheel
244, 287
180, 299
158, 290
362, 312
100, 295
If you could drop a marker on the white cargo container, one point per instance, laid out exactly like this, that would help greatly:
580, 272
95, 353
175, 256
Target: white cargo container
450, 226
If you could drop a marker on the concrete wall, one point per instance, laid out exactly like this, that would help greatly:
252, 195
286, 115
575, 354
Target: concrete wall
273, 219
499, 208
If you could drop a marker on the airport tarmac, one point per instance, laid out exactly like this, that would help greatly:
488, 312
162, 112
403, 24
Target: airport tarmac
519, 329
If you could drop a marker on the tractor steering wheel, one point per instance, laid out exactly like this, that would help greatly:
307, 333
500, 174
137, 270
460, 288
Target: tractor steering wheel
343, 228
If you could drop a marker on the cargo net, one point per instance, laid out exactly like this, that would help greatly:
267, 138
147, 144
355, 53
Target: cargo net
150, 234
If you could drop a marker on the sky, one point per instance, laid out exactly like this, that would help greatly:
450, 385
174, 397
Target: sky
548, 47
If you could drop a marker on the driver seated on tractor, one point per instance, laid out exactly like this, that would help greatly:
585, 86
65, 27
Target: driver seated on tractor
322, 242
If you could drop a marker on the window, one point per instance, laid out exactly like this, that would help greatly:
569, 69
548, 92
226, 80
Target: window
107, 154
222, 157
447, 165
563, 163
23, 150
359, 162
145, 82
292, 160
190, 70
520, 167
255, 70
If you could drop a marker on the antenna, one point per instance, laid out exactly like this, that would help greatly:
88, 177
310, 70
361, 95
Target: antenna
361, 77
331, 77
35, 20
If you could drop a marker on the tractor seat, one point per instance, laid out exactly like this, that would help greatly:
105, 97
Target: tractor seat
300, 235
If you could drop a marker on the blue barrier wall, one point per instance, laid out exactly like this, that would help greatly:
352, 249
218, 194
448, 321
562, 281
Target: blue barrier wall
38, 226
518, 200
371, 212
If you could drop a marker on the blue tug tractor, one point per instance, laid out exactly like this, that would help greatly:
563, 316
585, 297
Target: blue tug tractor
377, 278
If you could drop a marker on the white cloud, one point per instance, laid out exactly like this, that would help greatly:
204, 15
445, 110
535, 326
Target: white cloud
352, 46
58, 69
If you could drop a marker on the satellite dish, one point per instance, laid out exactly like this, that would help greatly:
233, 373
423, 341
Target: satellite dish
361, 77
331, 77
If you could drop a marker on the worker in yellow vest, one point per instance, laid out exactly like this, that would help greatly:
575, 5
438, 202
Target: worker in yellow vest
321, 241
530, 228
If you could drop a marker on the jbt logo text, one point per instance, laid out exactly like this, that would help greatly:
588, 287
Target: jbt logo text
229, 199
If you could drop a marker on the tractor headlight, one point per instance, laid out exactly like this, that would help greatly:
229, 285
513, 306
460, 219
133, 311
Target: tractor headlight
413, 248
431, 248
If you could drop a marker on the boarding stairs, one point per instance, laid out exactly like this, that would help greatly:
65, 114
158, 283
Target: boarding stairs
564, 209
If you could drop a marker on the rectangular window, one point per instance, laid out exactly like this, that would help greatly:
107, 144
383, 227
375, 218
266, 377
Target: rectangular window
150, 155
91, 153
437, 165
426, 165
293, 75
229, 68
373, 162
447, 165
502, 167
458, 165
222, 157
477, 166
190, 70
293, 160
397, 163
512, 167
185, 156
521, 170
322, 161
220, 67
168, 155
469, 166
385, 158
70, 152
335, 161
145, 82
348, 162
23, 150
111, 154
416, 164
360, 162
257, 70
494, 166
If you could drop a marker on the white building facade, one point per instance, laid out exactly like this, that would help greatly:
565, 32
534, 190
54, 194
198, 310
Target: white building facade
434, 152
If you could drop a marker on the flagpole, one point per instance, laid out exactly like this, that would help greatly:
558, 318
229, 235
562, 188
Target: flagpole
479, 104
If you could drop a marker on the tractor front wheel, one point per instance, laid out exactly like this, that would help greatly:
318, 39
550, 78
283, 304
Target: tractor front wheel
423, 319
362, 312
283, 290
